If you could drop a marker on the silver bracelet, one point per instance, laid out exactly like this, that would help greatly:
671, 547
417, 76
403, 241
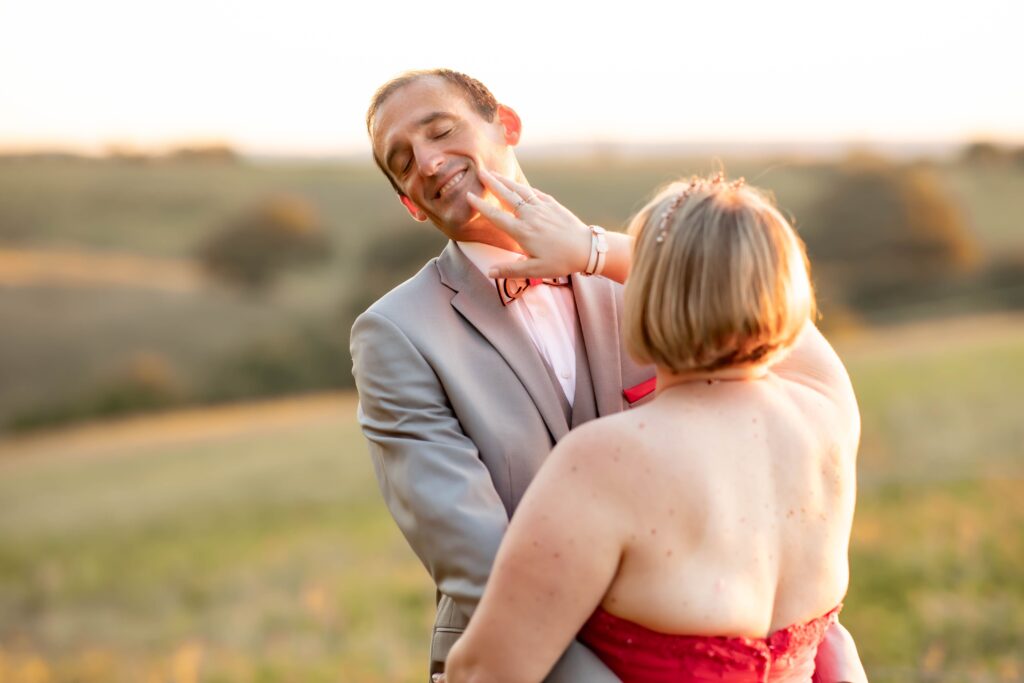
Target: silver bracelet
598, 250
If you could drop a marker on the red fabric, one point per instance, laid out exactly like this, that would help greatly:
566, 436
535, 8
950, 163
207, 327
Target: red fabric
640, 655
634, 394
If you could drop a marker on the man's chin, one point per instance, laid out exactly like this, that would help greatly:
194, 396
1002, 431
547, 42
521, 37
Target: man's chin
459, 217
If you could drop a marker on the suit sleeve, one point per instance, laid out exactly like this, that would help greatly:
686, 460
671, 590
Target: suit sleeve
433, 481
430, 473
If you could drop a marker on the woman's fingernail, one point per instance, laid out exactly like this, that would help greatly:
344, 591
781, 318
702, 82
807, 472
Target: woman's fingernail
493, 273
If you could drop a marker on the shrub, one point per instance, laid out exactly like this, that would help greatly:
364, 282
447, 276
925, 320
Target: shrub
255, 246
312, 356
391, 257
983, 152
147, 381
883, 230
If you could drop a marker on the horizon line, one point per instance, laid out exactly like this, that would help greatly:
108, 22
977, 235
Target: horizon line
571, 148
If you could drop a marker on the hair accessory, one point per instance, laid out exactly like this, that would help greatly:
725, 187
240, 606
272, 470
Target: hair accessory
672, 208
694, 185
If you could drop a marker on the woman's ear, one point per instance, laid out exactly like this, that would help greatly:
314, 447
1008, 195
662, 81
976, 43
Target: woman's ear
511, 124
416, 212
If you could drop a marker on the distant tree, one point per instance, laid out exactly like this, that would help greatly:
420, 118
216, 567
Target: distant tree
125, 153
216, 152
255, 246
882, 228
1018, 156
983, 152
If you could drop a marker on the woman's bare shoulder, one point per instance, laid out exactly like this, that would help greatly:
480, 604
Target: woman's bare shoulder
815, 372
813, 363
606, 443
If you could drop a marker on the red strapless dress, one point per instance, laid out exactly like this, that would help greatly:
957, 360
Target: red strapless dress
640, 655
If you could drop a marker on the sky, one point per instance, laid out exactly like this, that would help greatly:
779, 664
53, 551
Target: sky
295, 77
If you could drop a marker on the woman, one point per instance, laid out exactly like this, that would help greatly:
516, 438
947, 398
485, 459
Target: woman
702, 536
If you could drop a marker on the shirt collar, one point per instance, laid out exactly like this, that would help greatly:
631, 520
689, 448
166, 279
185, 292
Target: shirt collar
486, 256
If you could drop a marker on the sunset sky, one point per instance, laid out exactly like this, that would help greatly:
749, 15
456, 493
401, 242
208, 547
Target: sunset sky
295, 77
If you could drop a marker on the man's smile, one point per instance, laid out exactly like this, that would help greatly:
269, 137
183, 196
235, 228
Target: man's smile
450, 183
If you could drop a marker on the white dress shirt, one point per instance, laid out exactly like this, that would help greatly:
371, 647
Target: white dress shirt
547, 313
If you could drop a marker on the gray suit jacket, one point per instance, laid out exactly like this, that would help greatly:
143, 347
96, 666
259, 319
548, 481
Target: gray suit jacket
460, 412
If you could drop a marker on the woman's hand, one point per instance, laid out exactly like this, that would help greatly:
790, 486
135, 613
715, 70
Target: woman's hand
554, 239
556, 242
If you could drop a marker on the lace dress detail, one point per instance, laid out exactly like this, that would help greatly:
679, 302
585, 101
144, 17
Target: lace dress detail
639, 655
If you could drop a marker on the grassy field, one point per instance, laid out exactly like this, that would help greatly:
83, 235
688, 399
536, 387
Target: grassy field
250, 543
228, 545
96, 269
165, 209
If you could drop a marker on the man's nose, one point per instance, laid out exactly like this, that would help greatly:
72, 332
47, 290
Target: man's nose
429, 161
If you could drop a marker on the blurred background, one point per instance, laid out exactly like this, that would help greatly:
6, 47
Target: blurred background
190, 220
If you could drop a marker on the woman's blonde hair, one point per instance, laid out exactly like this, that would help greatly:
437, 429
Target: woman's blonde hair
719, 278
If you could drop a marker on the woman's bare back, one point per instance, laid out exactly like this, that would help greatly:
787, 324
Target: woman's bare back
741, 498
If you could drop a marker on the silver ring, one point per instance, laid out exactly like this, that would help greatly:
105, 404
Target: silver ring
519, 204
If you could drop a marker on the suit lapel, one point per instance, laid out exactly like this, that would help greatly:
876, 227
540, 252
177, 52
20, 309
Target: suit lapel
599, 322
476, 299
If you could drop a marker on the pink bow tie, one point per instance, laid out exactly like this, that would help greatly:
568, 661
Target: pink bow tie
511, 289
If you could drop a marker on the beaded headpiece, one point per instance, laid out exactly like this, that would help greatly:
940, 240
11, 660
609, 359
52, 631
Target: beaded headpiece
694, 185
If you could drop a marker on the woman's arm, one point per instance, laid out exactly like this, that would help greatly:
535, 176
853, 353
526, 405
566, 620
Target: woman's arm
557, 243
554, 566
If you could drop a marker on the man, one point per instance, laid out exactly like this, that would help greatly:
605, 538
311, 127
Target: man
465, 384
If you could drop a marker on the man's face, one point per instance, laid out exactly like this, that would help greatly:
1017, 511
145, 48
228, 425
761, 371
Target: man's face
432, 141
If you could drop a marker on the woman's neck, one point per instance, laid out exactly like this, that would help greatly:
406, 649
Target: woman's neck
742, 373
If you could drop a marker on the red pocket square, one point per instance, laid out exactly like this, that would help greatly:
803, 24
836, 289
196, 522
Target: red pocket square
634, 394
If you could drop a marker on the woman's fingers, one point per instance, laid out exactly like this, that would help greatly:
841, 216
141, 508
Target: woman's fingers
515, 269
525, 191
505, 195
501, 219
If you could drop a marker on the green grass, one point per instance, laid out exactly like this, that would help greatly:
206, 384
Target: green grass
60, 343
938, 543
271, 552
165, 209
265, 553
935, 589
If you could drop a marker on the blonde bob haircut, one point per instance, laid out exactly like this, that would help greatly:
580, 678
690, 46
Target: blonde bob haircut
719, 278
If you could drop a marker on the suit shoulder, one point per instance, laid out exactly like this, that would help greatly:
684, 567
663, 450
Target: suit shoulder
409, 296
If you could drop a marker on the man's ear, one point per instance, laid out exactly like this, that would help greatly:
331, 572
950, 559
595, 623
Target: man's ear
416, 212
511, 124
